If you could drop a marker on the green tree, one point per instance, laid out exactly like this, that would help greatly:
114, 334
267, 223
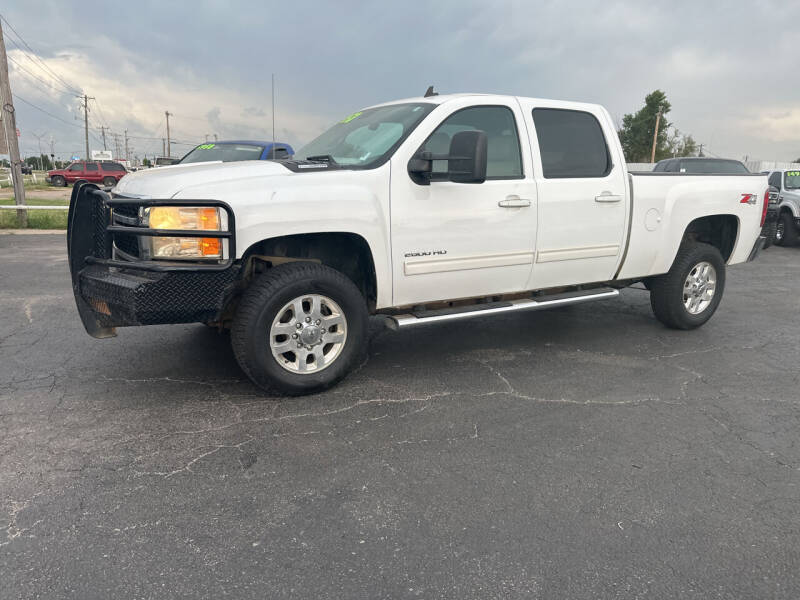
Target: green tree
146, 162
636, 135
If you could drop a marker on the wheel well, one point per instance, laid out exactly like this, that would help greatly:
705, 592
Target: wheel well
348, 253
720, 231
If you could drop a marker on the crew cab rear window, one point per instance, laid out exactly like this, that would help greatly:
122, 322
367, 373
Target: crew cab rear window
503, 159
792, 180
571, 144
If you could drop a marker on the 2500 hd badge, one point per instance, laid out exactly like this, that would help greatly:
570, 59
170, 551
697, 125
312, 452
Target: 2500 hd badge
428, 253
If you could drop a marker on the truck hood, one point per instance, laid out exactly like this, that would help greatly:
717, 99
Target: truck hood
165, 182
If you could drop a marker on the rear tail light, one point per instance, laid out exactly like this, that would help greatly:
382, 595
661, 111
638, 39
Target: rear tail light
764, 208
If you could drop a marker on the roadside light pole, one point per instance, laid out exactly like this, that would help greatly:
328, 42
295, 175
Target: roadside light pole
167, 114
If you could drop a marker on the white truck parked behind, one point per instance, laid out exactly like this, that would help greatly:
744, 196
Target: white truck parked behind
423, 210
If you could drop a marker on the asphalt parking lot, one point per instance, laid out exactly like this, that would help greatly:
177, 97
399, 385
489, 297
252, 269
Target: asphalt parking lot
585, 452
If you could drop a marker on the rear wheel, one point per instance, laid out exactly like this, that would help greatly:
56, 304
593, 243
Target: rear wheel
109, 181
689, 294
300, 328
58, 181
786, 233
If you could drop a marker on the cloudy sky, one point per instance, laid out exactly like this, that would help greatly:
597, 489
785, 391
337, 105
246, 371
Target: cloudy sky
728, 68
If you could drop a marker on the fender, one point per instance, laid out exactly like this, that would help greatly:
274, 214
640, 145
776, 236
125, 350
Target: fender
312, 203
790, 203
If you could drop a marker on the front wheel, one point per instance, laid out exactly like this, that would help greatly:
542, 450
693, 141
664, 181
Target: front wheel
58, 181
300, 328
689, 294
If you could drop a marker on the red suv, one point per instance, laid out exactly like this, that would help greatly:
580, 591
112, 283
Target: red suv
107, 173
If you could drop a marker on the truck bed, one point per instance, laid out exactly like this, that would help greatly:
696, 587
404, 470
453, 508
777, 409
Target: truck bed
664, 204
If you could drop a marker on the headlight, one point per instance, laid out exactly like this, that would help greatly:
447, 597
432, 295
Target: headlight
195, 218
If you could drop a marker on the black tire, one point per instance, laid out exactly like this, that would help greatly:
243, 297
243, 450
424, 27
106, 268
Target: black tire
768, 232
260, 305
667, 291
109, 181
786, 234
58, 181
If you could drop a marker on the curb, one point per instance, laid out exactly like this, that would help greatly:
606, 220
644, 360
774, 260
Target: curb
33, 231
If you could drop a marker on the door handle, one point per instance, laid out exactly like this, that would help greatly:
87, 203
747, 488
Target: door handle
608, 197
514, 202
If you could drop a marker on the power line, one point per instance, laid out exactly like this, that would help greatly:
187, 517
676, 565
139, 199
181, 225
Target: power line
52, 72
103, 120
21, 99
19, 66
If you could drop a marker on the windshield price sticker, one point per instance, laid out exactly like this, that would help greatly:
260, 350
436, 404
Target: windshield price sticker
793, 173
350, 118
205, 147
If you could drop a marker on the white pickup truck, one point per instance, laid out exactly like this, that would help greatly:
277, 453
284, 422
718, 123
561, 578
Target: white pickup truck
423, 210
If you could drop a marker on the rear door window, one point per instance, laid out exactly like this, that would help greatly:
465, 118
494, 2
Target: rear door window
91, 166
571, 144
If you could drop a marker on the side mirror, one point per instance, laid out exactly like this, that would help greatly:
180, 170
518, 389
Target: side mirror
466, 161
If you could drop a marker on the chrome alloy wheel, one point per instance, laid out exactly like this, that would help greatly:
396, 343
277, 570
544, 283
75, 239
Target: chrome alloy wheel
779, 231
308, 334
699, 288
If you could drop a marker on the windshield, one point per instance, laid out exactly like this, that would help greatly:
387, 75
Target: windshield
223, 152
792, 180
366, 138
711, 165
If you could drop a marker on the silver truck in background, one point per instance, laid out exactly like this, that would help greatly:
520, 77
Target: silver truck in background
787, 182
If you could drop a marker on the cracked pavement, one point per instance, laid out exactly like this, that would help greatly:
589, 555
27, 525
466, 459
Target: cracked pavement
584, 452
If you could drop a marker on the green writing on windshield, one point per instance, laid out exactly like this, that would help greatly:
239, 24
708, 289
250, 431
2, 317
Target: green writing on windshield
793, 173
350, 118
205, 147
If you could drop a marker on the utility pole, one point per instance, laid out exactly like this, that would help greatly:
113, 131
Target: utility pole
700, 152
117, 150
86, 122
39, 139
273, 108
9, 123
215, 137
163, 147
206, 138
127, 155
169, 143
103, 133
655, 136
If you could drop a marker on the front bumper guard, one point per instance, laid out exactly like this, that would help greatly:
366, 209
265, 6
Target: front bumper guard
111, 293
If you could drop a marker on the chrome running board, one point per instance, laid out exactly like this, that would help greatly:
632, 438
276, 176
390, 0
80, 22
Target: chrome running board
494, 308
